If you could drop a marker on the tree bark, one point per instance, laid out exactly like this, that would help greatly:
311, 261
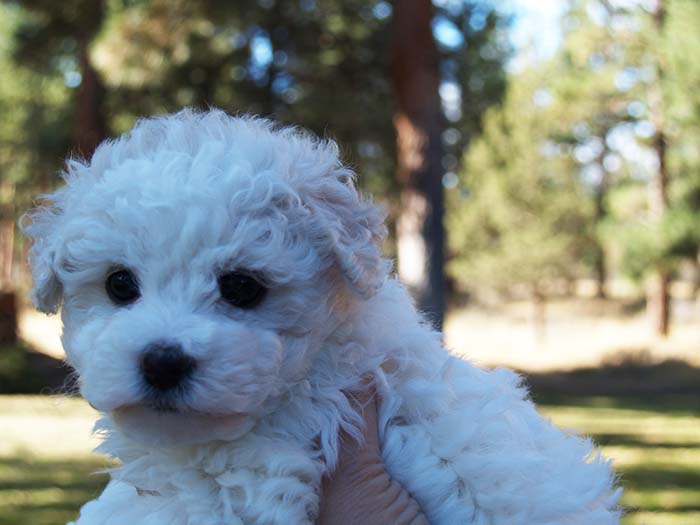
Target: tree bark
8, 295
90, 126
601, 212
539, 314
599, 264
8, 318
659, 302
658, 299
7, 240
419, 123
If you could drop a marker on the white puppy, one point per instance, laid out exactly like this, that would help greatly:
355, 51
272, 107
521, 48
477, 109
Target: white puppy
222, 287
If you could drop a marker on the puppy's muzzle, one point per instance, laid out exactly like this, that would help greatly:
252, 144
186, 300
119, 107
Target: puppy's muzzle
165, 365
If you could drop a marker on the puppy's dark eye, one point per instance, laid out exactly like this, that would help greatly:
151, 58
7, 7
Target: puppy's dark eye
241, 289
122, 287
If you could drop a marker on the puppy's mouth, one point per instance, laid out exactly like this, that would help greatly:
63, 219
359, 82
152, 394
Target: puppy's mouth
166, 425
163, 405
174, 401
173, 406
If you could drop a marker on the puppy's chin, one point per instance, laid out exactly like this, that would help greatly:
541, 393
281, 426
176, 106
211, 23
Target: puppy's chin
176, 429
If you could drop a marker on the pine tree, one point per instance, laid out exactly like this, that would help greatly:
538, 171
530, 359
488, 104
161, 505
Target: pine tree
521, 220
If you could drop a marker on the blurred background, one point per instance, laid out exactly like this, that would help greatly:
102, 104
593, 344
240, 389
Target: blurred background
539, 160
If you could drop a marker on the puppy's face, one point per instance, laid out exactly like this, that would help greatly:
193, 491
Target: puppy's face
200, 277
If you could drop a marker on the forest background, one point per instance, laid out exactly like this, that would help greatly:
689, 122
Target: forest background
539, 162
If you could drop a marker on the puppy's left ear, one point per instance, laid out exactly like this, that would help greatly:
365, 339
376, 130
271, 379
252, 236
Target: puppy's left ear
352, 229
38, 226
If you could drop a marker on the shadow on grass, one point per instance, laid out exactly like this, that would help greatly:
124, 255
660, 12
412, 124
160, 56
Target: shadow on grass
632, 440
625, 395
23, 371
47, 492
628, 382
659, 477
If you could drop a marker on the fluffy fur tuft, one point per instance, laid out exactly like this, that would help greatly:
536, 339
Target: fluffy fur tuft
247, 438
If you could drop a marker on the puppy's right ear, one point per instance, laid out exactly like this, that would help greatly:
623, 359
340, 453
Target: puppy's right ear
39, 226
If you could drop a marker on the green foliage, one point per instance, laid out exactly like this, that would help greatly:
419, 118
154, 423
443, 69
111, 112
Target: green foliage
658, 245
523, 217
33, 131
650, 244
557, 183
323, 64
75, 72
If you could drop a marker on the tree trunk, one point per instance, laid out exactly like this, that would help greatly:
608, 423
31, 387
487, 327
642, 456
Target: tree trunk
539, 314
8, 318
696, 275
658, 303
8, 297
658, 300
419, 124
601, 212
90, 126
599, 266
7, 241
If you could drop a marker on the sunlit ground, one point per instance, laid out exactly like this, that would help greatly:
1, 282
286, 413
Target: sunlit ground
47, 471
576, 333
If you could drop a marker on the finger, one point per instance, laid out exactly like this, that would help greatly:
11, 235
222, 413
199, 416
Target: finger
365, 393
367, 448
369, 414
366, 403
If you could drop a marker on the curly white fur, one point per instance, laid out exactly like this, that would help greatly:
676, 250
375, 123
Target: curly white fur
185, 197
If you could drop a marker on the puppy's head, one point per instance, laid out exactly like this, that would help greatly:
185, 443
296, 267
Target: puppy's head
201, 261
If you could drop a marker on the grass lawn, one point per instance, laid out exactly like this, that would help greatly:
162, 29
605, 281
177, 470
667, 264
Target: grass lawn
655, 446
46, 470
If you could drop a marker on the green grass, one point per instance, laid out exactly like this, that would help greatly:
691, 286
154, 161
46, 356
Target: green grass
46, 492
655, 445
46, 471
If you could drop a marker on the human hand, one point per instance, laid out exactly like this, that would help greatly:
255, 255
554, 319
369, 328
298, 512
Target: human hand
361, 491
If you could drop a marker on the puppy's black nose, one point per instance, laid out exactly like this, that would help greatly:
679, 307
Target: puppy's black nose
165, 366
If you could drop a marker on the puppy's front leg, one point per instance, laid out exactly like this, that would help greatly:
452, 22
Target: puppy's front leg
471, 448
